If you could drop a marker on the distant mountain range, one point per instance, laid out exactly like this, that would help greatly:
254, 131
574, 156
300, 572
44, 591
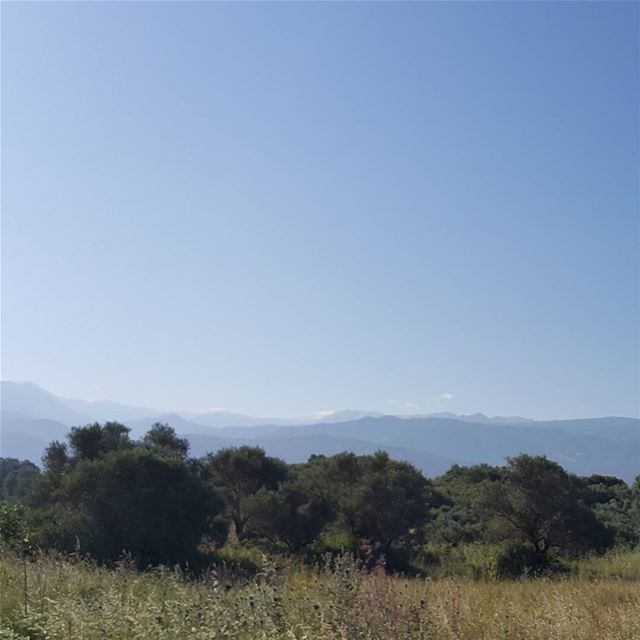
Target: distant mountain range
31, 417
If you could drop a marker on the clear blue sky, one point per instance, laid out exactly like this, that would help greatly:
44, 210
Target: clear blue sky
284, 208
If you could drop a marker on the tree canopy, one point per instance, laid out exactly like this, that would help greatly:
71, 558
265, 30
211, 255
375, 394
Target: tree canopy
104, 494
110, 496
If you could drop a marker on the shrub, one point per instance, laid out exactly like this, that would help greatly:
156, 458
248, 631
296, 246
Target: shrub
522, 560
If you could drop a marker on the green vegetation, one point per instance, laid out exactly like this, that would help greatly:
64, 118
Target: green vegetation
103, 496
16, 479
126, 539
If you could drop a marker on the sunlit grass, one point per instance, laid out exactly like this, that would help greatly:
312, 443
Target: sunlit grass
75, 600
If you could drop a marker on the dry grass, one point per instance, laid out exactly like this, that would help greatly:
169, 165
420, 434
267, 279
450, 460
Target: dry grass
74, 600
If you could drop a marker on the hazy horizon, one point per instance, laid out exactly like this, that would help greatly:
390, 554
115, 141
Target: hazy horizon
395, 410
282, 209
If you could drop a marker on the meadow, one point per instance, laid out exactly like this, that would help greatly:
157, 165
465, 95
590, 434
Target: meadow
67, 599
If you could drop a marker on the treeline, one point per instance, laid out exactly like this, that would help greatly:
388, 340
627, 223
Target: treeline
104, 495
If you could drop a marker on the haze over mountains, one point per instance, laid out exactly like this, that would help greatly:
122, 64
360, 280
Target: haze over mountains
31, 417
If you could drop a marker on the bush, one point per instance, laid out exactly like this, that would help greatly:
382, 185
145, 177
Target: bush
522, 560
475, 561
239, 562
14, 532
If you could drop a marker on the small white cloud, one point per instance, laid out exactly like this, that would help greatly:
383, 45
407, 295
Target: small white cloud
392, 401
447, 396
411, 405
96, 386
215, 409
325, 412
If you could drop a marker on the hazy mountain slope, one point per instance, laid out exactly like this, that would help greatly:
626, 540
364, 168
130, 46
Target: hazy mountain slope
105, 410
299, 448
12, 415
605, 446
27, 438
35, 402
224, 419
346, 415
271, 430
624, 430
182, 426
217, 419
21, 446
477, 418
602, 445
45, 430
32, 417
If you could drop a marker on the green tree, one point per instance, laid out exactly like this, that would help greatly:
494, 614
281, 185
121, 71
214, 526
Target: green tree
56, 458
107, 495
390, 499
14, 530
238, 475
93, 441
539, 504
17, 479
612, 500
163, 438
136, 501
634, 505
290, 515
456, 517
368, 498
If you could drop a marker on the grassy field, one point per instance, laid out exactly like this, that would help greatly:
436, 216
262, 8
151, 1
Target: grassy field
74, 600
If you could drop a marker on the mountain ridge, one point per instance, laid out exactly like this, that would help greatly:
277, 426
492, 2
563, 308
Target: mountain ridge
79, 411
608, 446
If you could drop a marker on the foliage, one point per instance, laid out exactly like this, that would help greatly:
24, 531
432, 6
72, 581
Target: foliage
162, 438
110, 497
238, 475
15, 534
613, 503
538, 506
105, 495
95, 441
289, 515
376, 503
16, 479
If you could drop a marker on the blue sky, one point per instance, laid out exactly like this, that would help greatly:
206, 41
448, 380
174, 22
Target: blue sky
285, 208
